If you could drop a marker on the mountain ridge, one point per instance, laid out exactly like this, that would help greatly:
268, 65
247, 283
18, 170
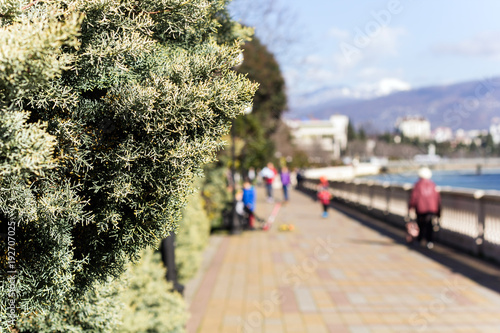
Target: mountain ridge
464, 105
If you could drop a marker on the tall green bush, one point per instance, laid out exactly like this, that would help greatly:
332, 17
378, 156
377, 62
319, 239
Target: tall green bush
115, 106
192, 238
215, 194
150, 306
99, 310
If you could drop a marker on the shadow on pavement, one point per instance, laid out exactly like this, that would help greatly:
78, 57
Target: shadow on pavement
477, 269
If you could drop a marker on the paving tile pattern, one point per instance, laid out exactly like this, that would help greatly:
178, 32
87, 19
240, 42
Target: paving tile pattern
333, 275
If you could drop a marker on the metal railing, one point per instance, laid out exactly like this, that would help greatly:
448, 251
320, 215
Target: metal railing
470, 220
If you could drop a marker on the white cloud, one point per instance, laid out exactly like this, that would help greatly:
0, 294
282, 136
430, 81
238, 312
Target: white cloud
386, 43
372, 73
368, 48
382, 87
303, 80
339, 33
390, 85
481, 45
314, 72
322, 77
314, 59
366, 90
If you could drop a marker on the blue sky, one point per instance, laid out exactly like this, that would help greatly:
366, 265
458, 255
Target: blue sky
375, 47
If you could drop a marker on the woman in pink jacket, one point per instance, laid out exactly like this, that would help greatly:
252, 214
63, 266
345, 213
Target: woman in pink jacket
426, 202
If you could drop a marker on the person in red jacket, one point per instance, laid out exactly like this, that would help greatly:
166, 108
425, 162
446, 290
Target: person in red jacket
426, 202
324, 197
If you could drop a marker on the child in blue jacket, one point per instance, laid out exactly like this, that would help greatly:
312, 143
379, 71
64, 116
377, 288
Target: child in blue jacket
249, 198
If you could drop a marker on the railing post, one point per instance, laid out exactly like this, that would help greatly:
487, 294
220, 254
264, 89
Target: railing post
408, 189
387, 189
478, 195
357, 190
370, 194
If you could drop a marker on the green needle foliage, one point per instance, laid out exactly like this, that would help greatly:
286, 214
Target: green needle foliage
194, 231
108, 109
30, 58
149, 305
97, 311
214, 193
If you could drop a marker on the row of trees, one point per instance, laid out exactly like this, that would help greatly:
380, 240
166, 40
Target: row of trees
253, 131
109, 110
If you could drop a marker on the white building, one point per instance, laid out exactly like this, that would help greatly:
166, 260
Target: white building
328, 135
468, 137
461, 137
495, 130
442, 134
414, 127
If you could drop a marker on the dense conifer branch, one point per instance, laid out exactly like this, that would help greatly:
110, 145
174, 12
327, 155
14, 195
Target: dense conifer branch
30, 4
123, 113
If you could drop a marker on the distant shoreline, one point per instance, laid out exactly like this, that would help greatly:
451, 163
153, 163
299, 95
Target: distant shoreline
478, 164
460, 179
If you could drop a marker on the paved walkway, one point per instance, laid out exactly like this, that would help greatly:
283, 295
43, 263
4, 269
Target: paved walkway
344, 273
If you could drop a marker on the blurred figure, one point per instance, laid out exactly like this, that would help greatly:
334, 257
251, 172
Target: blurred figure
426, 201
249, 199
240, 208
299, 177
268, 174
285, 182
323, 182
251, 174
324, 198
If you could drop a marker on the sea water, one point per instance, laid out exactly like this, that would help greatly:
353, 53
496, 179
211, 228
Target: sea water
488, 179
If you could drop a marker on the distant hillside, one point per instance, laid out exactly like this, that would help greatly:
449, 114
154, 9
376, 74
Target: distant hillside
469, 105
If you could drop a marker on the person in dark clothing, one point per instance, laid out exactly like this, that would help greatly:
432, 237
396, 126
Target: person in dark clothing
299, 178
426, 201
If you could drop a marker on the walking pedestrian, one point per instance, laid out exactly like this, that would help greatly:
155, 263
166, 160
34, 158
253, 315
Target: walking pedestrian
425, 200
285, 182
324, 198
268, 174
299, 178
323, 181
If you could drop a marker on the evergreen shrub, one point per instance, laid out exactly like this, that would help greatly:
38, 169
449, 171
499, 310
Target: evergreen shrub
108, 110
191, 239
150, 305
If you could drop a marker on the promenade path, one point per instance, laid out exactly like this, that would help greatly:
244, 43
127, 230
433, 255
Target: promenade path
345, 273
